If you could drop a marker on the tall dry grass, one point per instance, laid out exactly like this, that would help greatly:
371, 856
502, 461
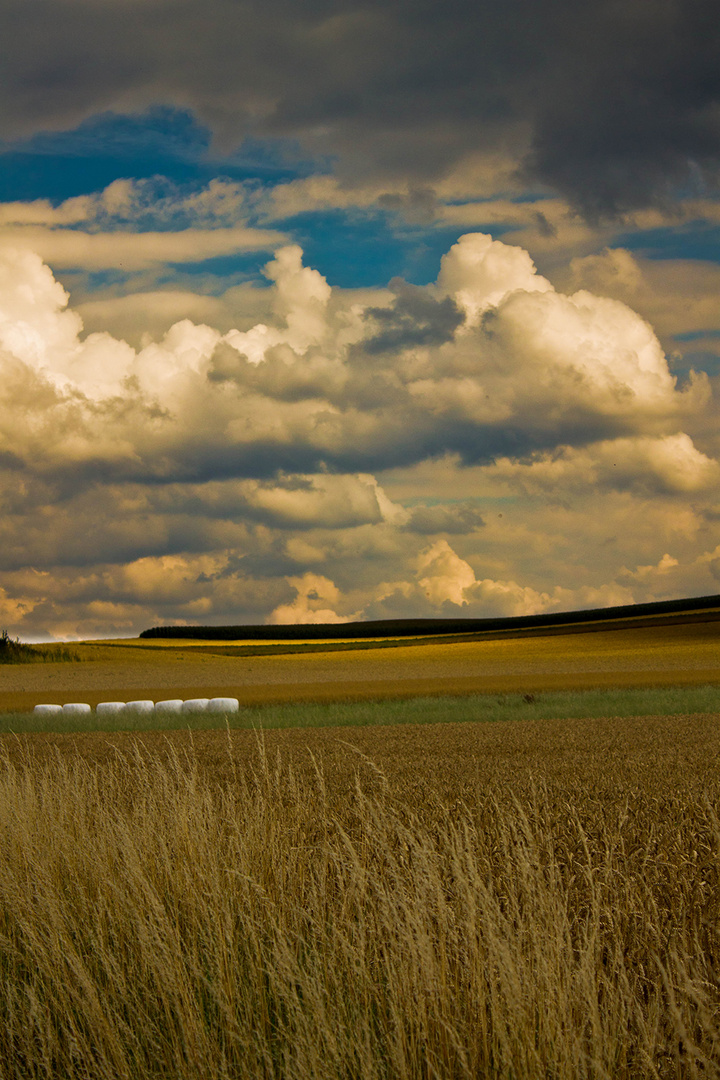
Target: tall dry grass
155, 923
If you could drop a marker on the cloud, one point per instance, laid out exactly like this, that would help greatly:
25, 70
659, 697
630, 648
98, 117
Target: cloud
44, 525
137, 225
446, 576
301, 502
678, 296
313, 591
140, 317
13, 610
481, 272
455, 518
416, 318
153, 201
136, 251
443, 583
453, 448
668, 465
666, 564
612, 106
449, 580
490, 362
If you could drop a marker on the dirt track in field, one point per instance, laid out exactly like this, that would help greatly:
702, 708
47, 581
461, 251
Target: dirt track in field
598, 757
669, 655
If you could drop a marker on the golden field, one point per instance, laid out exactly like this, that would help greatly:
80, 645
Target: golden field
527, 899
509, 901
670, 655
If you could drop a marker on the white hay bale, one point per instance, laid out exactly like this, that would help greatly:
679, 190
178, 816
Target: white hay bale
76, 708
223, 705
48, 710
171, 707
195, 705
140, 708
110, 708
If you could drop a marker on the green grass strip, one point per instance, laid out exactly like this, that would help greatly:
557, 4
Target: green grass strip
486, 708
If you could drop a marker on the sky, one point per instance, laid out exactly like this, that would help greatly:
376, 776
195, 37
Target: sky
327, 310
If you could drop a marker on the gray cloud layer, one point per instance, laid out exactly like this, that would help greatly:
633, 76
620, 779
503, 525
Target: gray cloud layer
611, 104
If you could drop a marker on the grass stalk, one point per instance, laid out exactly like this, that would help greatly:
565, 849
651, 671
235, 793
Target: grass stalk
156, 924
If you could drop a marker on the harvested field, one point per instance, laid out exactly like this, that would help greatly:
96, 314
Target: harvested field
674, 655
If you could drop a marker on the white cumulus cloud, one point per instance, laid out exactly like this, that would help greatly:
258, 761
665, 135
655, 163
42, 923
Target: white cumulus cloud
260, 456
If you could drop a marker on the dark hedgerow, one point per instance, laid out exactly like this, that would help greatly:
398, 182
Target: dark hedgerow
692, 609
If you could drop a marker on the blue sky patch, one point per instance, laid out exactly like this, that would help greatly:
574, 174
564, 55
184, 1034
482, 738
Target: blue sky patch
161, 142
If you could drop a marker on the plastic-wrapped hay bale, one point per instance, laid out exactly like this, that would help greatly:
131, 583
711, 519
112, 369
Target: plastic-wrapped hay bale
223, 705
110, 708
48, 710
140, 708
171, 707
76, 708
195, 705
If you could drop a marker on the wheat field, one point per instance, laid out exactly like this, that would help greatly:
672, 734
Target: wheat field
673, 655
520, 900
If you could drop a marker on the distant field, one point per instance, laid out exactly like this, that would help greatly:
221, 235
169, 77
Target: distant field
680, 654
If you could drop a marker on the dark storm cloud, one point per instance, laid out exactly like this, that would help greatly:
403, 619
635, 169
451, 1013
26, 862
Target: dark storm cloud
455, 519
611, 104
414, 319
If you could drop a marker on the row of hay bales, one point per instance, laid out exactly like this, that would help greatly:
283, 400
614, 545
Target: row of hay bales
171, 707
